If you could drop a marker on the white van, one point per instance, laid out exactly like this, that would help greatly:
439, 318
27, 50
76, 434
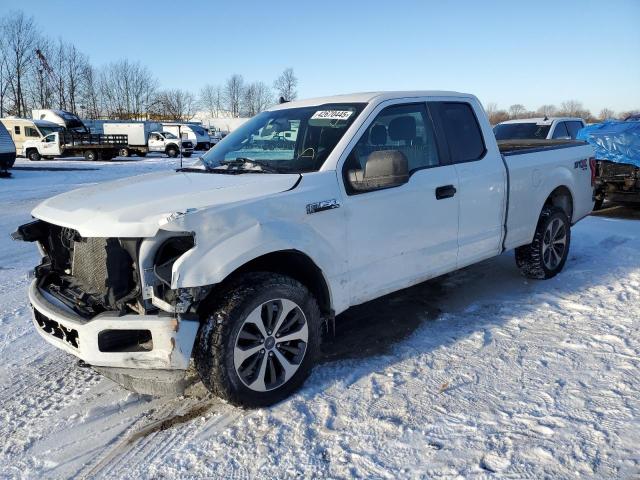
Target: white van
189, 131
23, 129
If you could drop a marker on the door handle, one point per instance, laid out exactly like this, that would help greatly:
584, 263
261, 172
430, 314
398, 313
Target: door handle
446, 191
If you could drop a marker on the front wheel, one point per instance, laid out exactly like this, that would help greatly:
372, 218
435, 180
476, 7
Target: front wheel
546, 255
90, 155
34, 156
259, 340
124, 152
187, 155
172, 152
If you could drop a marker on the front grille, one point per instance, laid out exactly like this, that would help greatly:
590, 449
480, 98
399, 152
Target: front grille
89, 264
47, 325
89, 275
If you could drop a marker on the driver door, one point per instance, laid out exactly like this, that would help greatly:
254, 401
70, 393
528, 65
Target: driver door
405, 234
49, 145
156, 142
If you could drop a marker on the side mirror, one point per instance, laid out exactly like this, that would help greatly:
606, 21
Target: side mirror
384, 169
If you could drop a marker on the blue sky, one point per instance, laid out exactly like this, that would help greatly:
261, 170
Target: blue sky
507, 52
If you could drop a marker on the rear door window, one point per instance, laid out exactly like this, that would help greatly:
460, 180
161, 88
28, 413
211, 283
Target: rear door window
16, 129
560, 130
461, 130
573, 128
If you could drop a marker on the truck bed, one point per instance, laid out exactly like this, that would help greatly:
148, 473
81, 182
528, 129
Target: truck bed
93, 140
516, 147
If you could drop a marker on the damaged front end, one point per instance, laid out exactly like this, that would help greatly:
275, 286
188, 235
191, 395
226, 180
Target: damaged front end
109, 302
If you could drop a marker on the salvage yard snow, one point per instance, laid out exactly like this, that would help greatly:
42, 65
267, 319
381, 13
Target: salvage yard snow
478, 373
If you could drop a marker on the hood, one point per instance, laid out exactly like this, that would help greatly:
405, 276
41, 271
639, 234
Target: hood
138, 206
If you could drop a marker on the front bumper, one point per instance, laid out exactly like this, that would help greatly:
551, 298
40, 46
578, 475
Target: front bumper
172, 337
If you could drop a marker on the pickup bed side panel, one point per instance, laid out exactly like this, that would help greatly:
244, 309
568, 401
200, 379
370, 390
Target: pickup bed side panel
534, 176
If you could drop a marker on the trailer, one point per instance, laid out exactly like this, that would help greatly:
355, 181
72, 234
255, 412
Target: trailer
66, 120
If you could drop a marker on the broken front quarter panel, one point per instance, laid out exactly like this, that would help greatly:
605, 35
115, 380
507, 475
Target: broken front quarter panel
229, 236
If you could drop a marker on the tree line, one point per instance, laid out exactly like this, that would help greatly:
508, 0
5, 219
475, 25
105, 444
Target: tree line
569, 108
39, 72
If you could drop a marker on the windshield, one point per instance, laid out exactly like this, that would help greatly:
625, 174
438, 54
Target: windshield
292, 140
169, 135
516, 131
48, 130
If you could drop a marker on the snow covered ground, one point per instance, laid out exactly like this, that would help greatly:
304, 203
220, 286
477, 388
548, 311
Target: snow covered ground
480, 373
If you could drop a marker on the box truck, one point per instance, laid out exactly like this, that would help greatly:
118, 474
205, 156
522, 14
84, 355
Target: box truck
145, 137
195, 133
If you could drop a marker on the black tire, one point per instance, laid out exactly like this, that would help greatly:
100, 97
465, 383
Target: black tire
532, 259
186, 154
34, 156
141, 154
223, 318
172, 152
124, 152
90, 156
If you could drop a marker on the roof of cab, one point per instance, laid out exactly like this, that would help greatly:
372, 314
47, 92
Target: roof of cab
367, 97
542, 120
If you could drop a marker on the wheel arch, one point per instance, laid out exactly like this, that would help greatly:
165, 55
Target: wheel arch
294, 264
562, 198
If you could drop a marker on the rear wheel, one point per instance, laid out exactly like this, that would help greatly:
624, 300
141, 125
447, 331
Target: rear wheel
90, 155
34, 156
259, 340
187, 154
124, 152
546, 255
141, 154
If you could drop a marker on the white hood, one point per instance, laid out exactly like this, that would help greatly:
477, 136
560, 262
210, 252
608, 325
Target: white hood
138, 206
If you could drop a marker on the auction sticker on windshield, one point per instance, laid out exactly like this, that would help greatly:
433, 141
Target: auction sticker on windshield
332, 114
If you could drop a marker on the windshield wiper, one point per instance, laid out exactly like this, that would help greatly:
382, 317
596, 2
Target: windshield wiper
240, 161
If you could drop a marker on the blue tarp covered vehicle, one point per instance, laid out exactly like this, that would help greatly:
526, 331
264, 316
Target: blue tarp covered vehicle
615, 141
617, 149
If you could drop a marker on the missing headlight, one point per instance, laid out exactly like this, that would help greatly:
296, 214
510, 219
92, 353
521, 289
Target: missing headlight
168, 253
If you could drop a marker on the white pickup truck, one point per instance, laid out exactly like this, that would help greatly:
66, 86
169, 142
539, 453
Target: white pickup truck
235, 263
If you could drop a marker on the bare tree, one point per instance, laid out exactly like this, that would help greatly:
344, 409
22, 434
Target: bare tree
174, 104
211, 99
625, 115
285, 85
517, 110
606, 113
5, 72
91, 93
498, 116
257, 96
20, 37
547, 110
233, 91
571, 108
491, 108
127, 89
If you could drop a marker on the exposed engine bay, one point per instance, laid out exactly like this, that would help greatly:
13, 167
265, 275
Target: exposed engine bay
94, 275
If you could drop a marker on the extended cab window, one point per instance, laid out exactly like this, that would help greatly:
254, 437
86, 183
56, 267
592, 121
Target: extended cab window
573, 128
560, 131
461, 130
402, 132
16, 129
